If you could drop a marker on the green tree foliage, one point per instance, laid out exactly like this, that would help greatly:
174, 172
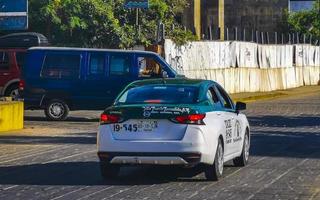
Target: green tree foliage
104, 23
306, 21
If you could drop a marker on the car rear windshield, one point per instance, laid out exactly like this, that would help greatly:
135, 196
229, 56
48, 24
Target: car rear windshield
156, 94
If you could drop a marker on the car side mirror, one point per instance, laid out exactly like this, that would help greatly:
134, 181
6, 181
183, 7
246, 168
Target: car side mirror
241, 106
165, 74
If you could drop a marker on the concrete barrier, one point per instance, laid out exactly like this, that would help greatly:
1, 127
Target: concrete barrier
11, 115
236, 80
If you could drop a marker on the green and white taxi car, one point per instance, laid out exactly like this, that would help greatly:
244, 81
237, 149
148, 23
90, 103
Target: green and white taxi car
173, 122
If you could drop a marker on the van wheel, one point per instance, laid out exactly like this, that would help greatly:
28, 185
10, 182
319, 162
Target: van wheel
109, 171
214, 172
56, 110
243, 159
12, 91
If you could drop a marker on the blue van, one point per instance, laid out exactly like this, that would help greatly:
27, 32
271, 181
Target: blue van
59, 79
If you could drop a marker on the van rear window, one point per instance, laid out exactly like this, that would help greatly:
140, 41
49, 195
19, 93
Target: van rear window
61, 66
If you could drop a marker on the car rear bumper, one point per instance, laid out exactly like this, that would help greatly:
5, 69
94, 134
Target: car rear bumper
192, 143
31, 101
151, 158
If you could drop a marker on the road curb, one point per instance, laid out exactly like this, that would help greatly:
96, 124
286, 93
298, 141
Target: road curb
259, 97
252, 97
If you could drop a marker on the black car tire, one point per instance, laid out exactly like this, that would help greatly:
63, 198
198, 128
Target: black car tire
56, 110
109, 171
243, 159
212, 172
12, 91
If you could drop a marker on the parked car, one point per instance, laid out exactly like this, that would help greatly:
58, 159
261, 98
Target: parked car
11, 61
173, 122
59, 79
13, 48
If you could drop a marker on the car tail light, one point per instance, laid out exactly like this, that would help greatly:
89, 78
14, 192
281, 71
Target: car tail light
190, 119
21, 84
109, 119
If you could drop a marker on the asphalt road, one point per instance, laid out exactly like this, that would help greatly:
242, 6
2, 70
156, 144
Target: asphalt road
57, 160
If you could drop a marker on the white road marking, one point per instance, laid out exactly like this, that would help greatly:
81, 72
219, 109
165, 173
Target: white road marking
10, 187
91, 194
71, 192
35, 154
66, 157
121, 191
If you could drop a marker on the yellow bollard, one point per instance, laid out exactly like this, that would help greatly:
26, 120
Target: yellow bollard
11, 115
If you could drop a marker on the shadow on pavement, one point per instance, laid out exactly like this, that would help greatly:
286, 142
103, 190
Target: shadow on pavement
89, 138
285, 144
88, 173
285, 121
69, 119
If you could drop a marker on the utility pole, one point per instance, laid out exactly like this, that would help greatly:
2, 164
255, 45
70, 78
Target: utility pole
197, 17
221, 18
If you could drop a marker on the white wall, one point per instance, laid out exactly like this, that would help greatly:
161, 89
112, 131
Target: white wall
245, 66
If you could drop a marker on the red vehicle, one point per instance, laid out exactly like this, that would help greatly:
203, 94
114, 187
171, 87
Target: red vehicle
13, 48
11, 61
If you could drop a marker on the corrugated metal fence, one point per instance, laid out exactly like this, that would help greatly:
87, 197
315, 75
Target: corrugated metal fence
247, 66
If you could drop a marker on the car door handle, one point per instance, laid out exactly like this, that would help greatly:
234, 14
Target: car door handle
6, 74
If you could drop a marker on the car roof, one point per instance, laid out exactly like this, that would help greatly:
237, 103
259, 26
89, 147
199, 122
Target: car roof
13, 49
91, 49
172, 81
24, 34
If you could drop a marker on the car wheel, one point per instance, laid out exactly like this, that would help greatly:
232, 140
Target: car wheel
243, 159
109, 171
56, 110
12, 91
214, 172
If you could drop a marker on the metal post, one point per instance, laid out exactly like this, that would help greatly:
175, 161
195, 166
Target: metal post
210, 32
252, 35
218, 33
289, 38
236, 33
227, 33
257, 37
137, 17
163, 32
293, 38
244, 34
268, 39
276, 37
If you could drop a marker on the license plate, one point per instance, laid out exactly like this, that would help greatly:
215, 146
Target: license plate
138, 126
